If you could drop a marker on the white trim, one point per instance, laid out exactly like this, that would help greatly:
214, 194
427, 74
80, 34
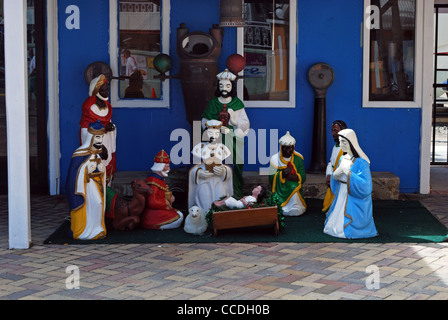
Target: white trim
293, 32
427, 99
54, 152
114, 55
16, 76
418, 74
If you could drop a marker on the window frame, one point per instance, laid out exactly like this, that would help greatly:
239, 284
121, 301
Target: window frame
114, 52
418, 63
293, 32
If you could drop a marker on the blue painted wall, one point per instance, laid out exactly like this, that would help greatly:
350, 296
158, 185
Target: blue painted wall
328, 31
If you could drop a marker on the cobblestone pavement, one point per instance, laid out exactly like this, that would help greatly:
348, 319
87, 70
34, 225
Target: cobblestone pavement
236, 271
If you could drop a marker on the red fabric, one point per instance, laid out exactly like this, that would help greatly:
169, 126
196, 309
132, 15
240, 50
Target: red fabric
111, 214
293, 171
157, 212
88, 116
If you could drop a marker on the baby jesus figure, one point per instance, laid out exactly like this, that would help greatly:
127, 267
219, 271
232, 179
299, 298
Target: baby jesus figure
257, 196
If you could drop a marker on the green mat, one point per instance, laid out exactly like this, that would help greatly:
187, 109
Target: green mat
395, 220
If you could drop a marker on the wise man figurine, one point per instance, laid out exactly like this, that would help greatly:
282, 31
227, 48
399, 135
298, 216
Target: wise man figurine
97, 108
159, 212
86, 186
336, 154
229, 109
210, 179
287, 176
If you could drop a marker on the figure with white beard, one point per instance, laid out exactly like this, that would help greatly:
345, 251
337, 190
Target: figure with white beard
210, 179
159, 212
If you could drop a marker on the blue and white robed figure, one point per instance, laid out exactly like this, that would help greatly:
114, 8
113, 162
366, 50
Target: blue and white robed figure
351, 215
86, 186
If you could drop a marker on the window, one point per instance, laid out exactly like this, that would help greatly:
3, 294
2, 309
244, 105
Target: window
268, 42
139, 32
392, 51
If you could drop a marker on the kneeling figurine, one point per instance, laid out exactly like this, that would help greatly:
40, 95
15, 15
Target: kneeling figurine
159, 212
351, 215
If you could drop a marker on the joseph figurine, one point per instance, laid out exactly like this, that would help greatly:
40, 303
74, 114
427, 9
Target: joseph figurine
229, 109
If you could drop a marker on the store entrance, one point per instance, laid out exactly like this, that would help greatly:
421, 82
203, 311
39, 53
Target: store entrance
37, 105
439, 141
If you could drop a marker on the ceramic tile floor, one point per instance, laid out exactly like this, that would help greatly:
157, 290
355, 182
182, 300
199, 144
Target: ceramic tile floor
237, 271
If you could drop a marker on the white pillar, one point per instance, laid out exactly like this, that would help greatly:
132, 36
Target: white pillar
54, 152
427, 98
16, 76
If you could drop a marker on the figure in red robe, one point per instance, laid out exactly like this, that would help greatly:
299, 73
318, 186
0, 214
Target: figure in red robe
97, 108
159, 212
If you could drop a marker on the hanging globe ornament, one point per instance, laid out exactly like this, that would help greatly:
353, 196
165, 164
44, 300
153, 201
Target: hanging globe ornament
162, 63
236, 63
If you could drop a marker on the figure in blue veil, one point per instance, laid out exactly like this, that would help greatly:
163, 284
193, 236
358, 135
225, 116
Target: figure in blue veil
351, 215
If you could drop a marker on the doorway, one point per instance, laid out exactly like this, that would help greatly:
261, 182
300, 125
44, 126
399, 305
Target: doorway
439, 138
37, 104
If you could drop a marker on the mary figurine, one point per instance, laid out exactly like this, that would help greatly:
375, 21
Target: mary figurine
350, 215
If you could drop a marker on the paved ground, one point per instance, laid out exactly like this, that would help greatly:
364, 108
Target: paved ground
237, 271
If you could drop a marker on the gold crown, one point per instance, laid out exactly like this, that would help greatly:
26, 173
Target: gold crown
213, 126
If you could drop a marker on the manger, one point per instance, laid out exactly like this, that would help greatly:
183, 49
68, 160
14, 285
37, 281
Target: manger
254, 217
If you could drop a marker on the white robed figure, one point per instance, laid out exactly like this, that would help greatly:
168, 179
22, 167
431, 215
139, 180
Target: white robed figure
336, 153
351, 215
211, 179
86, 185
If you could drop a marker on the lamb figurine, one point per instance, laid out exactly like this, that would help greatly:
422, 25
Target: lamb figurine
195, 222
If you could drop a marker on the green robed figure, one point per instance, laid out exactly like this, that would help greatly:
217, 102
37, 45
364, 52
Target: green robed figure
229, 109
287, 175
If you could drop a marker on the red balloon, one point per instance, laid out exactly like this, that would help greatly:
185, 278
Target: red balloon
236, 63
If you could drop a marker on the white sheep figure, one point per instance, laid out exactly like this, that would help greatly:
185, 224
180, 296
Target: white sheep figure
195, 222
